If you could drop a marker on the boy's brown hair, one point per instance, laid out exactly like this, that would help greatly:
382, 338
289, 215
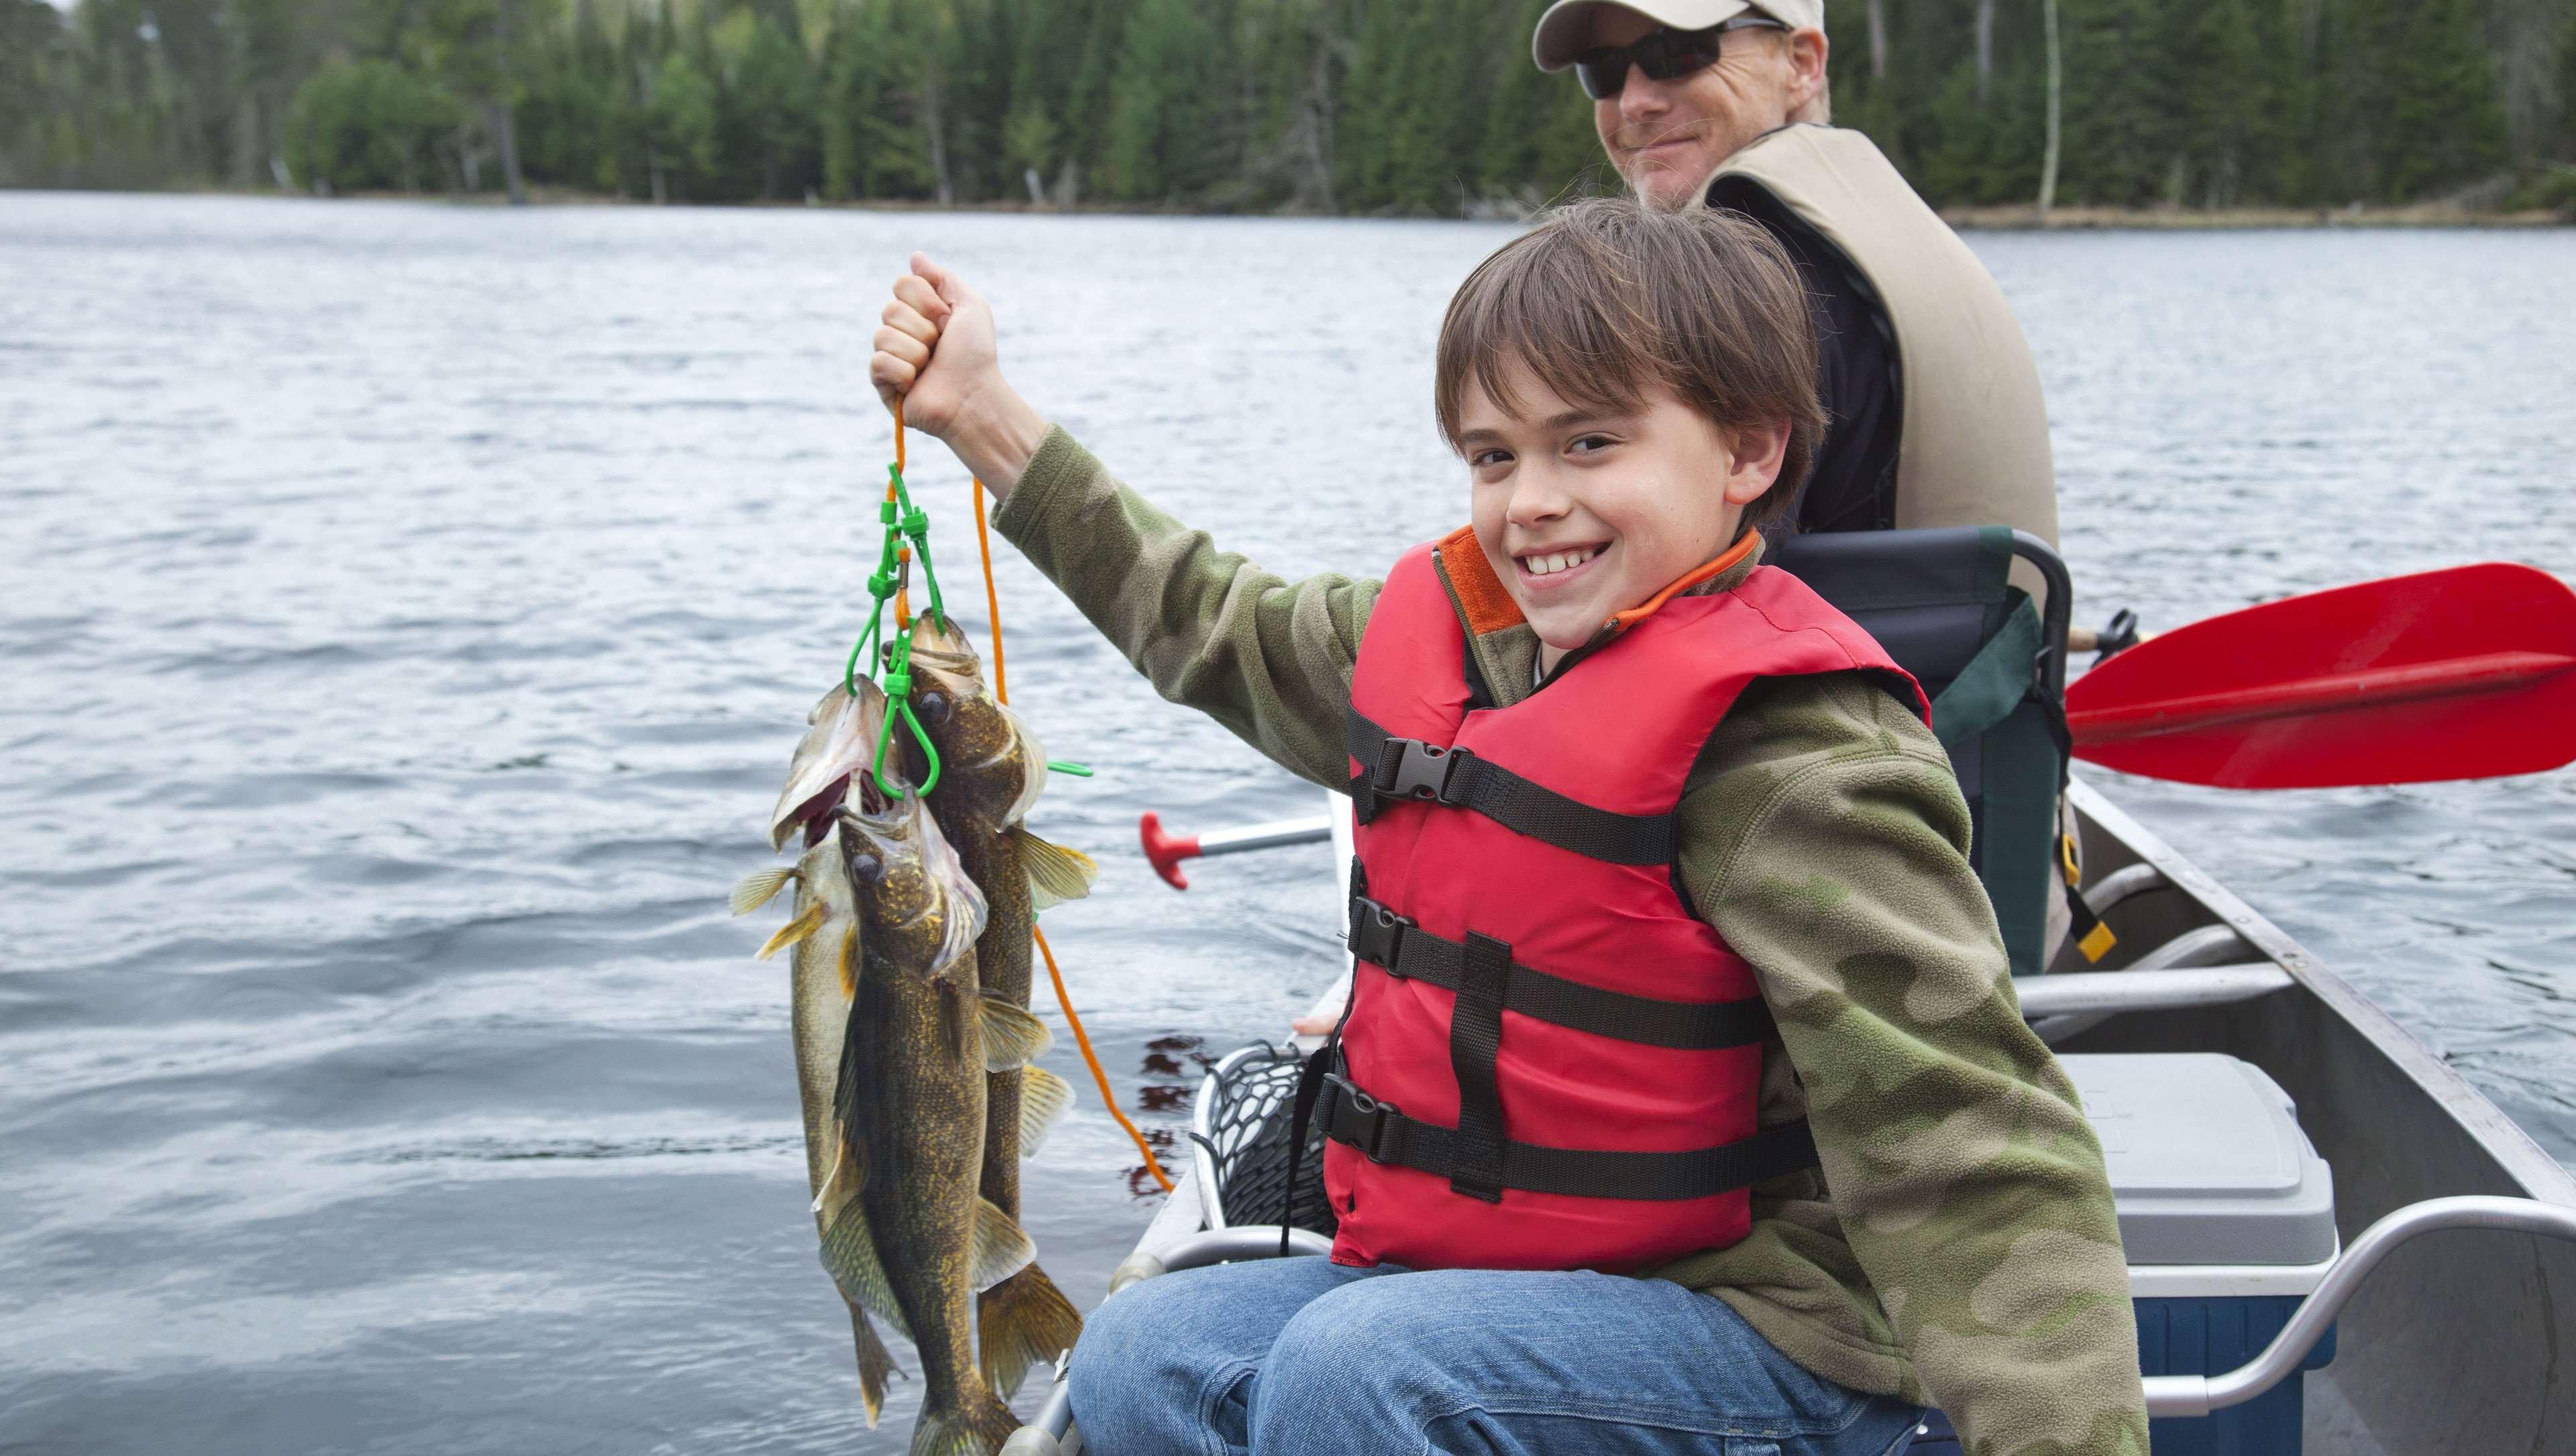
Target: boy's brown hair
1607, 298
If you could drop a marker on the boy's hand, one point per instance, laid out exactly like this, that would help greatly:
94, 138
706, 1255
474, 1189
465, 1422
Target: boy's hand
935, 353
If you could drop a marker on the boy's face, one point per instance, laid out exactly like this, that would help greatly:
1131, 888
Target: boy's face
1584, 514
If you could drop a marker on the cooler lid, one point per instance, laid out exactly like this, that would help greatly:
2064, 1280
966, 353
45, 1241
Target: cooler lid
2207, 1162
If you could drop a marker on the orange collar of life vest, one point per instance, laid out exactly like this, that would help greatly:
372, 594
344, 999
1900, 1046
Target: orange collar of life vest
1489, 605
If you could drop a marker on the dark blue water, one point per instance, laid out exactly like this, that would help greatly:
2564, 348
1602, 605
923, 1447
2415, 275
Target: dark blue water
409, 610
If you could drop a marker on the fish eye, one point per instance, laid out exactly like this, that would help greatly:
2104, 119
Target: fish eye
934, 707
867, 866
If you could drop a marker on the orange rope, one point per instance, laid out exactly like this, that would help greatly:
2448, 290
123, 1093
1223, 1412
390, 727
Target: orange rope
1081, 1038
1107, 1099
992, 602
903, 554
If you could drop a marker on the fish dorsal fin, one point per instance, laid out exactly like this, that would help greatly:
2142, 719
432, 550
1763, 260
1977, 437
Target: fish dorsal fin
850, 1257
807, 921
1044, 1097
1012, 1037
1056, 874
1001, 1249
759, 887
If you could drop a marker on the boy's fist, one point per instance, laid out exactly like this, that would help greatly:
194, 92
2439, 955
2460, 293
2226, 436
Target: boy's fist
934, 350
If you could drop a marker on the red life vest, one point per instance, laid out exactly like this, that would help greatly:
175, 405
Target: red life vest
1551, 1062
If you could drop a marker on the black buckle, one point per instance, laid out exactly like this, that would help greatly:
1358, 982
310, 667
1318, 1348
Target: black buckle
1420, 770
1371, 1135
1377, 933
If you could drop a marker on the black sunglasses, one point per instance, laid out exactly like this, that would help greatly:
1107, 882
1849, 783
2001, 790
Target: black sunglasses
1664, 55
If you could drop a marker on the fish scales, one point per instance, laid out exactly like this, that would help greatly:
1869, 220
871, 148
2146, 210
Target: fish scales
889, 1034
820, 966
992, 771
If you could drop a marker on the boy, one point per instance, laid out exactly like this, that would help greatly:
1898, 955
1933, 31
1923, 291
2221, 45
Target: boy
1661, 875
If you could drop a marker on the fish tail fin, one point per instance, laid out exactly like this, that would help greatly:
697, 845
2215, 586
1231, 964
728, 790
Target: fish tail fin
1022, 1321
874, 1364
807, 921
759, 887
999, 1250
1056, 874
1012, 1037
1044, 1096
975, 1425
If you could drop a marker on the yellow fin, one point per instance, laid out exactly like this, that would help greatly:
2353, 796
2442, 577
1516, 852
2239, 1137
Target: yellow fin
874, 1364
1000, 1249
850, 1257
807, 921
1012, 1037
1056, 874
1022, 1321
759, 887
850, 964
1044, 1096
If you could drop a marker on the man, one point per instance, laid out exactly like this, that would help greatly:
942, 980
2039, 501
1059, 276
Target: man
1935, 417
1935, 405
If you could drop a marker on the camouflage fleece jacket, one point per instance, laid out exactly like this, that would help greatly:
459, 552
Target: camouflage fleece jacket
1957, 1246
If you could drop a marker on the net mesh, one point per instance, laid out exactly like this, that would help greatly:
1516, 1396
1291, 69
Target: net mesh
1250, 1107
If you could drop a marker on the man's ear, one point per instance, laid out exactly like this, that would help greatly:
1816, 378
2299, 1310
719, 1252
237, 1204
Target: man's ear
1805, 52
1758, 451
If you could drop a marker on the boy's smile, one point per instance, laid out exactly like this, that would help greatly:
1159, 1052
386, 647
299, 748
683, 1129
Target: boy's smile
1584, 511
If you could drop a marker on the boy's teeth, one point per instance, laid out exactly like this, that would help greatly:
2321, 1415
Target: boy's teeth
1556, 561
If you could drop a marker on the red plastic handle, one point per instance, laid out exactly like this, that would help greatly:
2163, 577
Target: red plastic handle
1166, 851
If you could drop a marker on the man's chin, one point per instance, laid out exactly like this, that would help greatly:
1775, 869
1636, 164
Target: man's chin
1669, 181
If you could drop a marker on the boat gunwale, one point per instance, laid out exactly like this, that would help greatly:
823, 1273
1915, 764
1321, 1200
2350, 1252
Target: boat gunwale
2514, 1150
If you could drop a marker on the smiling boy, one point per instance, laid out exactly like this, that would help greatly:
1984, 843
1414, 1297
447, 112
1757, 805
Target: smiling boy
1670, 959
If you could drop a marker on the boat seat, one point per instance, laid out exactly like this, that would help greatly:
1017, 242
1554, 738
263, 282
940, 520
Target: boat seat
1939, 601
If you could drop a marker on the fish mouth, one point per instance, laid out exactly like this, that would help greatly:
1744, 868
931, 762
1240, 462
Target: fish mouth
848, 753
941, 650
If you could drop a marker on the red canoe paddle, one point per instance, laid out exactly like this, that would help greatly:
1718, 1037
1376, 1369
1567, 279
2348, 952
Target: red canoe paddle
2461, 674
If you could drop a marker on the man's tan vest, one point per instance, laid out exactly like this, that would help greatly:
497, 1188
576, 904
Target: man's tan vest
1974, 447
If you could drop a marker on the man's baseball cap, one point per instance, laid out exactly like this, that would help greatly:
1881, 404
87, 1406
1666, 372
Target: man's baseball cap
1565, 31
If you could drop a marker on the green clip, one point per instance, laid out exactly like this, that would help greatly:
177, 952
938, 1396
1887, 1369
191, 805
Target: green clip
1078, 770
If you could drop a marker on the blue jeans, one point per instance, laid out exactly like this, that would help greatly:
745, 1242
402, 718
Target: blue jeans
1302, 1355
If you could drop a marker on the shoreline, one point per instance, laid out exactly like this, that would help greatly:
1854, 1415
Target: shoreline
2011, 217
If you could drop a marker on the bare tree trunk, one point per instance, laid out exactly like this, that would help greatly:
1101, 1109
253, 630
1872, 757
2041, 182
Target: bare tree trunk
2048, 160
505, 134
938, 134
1319, 126
1878, 40
505, 125
1985, 51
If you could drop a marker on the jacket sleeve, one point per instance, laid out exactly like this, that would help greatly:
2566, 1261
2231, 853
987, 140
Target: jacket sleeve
1825, 837
1267, 658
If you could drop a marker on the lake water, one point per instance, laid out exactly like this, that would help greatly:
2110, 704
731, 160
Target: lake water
409, 610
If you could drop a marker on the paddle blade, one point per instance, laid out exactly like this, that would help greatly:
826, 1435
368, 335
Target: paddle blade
2459, 674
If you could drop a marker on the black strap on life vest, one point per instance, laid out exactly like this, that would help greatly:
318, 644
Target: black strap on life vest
1408, 768
1384, 1135
1406, 951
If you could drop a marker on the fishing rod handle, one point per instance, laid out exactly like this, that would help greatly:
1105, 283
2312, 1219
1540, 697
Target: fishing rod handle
2198, 1395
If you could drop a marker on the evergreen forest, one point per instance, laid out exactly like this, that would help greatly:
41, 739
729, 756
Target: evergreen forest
1424, 107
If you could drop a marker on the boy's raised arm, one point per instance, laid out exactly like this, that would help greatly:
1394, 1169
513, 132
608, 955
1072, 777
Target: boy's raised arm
1267, 658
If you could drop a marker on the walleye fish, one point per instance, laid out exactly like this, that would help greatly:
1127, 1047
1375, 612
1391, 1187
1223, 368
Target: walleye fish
906, 1235
992, 771
823, 957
